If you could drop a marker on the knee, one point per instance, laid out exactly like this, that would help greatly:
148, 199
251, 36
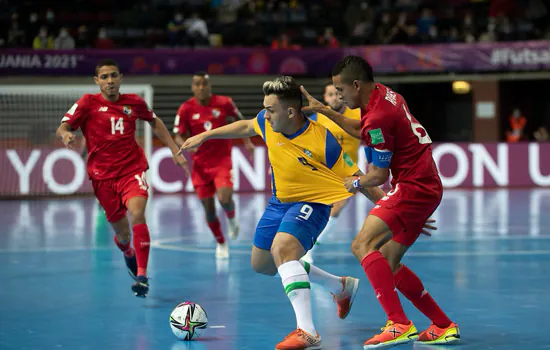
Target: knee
137, 216
123, 235
225, 199
363, 244
264, 269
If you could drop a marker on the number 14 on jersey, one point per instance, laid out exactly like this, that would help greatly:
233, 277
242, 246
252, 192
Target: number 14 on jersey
117, 125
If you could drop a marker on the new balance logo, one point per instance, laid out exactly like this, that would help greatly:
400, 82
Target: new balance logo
196, 116
103, 109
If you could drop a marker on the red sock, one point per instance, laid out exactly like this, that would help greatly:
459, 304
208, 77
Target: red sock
230, 213
142, 244
412, 288
381, 278
125, 248
216, 229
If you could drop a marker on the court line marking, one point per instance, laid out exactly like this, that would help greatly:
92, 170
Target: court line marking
166, 244
348, 254
215, 327
421, 240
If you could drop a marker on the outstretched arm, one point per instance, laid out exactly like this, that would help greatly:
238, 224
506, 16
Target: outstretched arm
236, 130
351, 126
160, 130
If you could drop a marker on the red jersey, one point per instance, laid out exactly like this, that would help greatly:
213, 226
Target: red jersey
388, 126
109, 129
193, 119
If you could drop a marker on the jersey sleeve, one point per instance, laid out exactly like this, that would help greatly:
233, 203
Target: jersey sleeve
180, 121
259, 124
336, 159
379, 137
77, 115
143, 111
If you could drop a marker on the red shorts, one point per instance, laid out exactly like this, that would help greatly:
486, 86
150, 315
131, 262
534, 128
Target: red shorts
207, 180
114, 194
407, 206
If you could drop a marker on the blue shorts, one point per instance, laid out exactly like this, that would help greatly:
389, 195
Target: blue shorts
303, 220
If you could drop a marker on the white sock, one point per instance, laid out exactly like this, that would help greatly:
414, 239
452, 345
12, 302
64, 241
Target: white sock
297, 288
329, 281
330, 225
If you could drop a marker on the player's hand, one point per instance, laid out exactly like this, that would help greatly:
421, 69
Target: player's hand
192, 143
69, 139
314, 105
181, 161
428, 226
348, 183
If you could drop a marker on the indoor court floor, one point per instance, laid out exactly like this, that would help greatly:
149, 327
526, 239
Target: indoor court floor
65, 286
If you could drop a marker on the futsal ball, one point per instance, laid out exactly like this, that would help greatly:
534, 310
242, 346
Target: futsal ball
188, 321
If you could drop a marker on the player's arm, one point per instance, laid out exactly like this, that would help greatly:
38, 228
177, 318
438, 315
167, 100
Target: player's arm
236, 130
71, 121
374, 194
351, 126
236, 113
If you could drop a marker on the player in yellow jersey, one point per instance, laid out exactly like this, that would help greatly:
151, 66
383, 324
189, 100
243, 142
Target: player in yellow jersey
349, 144
308, 168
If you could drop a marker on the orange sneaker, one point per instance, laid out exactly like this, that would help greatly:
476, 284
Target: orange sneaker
344, 299
392, 334
300, 340
435, 335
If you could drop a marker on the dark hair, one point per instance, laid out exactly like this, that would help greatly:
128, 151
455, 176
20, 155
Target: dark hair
201, 74
285, 88
327, 84
105, 62
352, 68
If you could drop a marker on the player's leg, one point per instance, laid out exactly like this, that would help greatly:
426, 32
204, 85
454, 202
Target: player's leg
225, 197
366, 248
334, 213
115, 212
442, 330
223, 181
133, 191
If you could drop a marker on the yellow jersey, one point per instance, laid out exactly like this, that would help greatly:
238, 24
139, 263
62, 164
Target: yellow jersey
349, 143
308, 166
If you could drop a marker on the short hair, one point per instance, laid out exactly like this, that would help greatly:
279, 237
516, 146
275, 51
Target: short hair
327, 84
352, 68
105, 62
285, 88
202, 74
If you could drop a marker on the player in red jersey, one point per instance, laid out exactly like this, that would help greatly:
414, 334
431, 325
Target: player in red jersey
116, 163
396, 142
212, 168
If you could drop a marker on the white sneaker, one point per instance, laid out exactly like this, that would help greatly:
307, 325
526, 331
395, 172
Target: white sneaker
233, 228
222, 251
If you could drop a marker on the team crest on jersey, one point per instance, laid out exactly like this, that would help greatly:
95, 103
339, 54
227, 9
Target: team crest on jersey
308, 153
127, 110
216, 113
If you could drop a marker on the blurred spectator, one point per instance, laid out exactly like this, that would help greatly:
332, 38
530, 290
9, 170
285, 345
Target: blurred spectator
384, 30
176, 31
43, 40
64, 40
16, 35
541, 134
197, 30
517, 127
102, 41
328, 39
425, 22
82, 38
